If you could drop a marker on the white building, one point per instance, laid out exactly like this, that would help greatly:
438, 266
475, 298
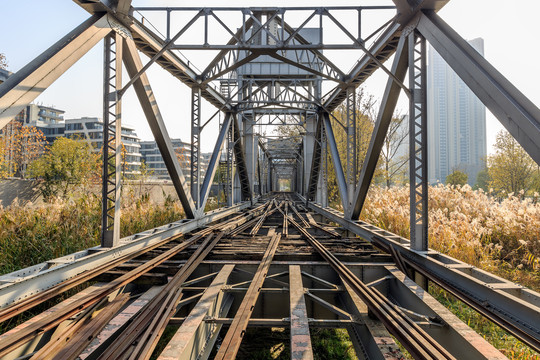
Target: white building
91, 129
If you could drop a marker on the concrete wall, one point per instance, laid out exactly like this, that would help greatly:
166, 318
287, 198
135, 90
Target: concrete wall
26, 192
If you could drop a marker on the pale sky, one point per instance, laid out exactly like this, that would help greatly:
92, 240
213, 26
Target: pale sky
29, 27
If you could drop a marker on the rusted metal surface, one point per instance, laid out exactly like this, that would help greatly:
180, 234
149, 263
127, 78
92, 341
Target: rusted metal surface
415, 340
149, 324
115, 326
48, 322
230, 345
300, 339
377, 335
183, 344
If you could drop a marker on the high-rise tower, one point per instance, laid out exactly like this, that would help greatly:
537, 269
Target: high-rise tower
456, 122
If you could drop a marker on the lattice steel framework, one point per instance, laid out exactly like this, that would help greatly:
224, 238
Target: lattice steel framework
292, 95
195, 145
112, 141
418, 157
350, 105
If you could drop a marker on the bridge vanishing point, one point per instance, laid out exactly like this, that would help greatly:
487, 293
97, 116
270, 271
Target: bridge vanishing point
268, 258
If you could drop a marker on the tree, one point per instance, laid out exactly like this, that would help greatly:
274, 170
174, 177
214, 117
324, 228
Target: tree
482, 180
68, 163
510, 169
457, 177
3, 62
20, 146
394, 165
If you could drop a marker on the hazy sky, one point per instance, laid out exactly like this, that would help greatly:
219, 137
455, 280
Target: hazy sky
29, 27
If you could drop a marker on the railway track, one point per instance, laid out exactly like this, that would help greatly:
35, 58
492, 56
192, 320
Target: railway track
196, 295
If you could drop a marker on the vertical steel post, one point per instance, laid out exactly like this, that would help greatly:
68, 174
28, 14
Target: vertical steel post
230, 167
195, 145
324, 168
112, 141
351, 145
418, 143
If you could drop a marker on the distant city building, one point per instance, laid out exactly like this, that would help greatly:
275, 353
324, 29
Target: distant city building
456, 122
155, 164
47, 119
91, 129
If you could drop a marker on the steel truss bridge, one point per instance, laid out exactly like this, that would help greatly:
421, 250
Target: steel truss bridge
267, 259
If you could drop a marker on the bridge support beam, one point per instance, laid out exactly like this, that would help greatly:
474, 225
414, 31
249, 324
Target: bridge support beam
195, 146
384, 117
350, 104
214, 161
312, 154
336, 160
155, 120
418, 142
111, 181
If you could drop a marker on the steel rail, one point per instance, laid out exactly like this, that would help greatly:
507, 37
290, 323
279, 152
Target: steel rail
28, 303
32, 301
420, 344
231, 343
72, 341
516, 314
24, 335
149, 324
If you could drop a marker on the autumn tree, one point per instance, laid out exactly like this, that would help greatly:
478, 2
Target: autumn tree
68, 163
510, 169
457, 177
3, 62
20, 145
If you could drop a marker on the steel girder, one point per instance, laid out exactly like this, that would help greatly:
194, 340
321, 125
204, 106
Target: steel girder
195, 145
315, 167
350, 130
336, 160
23, 87
418, 158
153, 115
111, 181
214, 161
515, 111
384, 117
241, 165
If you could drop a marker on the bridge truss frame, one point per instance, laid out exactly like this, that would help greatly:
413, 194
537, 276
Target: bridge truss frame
253, 164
